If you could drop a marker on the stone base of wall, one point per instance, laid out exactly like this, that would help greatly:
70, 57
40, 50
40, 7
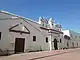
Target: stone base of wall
6, 52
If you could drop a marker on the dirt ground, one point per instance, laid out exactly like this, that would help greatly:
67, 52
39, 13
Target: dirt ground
66, 54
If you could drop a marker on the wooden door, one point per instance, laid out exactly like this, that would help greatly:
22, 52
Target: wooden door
19, 45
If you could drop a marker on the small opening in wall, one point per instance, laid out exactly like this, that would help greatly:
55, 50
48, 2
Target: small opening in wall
75, 36
46, 25
52, 24
42, 24
46, 39
79, 36
0, 35
60, 41
34, 38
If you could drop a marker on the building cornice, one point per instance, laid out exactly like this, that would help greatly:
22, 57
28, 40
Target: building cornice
51, 30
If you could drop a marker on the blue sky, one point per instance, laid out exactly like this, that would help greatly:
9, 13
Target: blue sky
64, 12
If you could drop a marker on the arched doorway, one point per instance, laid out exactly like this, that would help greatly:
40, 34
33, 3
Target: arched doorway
73, 44
68, 44
77, 44
55, 44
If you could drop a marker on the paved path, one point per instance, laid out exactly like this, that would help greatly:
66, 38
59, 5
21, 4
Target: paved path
46, 55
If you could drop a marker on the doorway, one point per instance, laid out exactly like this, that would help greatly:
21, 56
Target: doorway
19, 45
55, 44
73, 44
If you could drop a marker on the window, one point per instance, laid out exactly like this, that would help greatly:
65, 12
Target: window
58, 35
34, 38
46, 39
79, 36
46, 25
60, 40
67, 37
75, 36
71, 35
42, 24
52, 24
0, 35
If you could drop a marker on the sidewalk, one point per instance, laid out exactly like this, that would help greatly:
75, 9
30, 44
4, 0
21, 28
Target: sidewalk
37, 55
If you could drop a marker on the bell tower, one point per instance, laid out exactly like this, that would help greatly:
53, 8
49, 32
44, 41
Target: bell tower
59, 27
52, 23
43, 21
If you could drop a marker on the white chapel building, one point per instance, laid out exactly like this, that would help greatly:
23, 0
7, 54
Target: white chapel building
20, 34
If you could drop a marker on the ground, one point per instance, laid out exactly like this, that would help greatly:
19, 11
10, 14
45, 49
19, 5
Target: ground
67, 54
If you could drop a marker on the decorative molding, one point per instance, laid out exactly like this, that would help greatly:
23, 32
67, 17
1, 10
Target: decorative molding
55, 31
18, 31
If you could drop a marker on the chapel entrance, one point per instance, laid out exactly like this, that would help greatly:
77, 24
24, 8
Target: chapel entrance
19, 45
55, 44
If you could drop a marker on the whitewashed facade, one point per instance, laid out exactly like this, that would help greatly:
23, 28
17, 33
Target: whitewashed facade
74, 41
19, 34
